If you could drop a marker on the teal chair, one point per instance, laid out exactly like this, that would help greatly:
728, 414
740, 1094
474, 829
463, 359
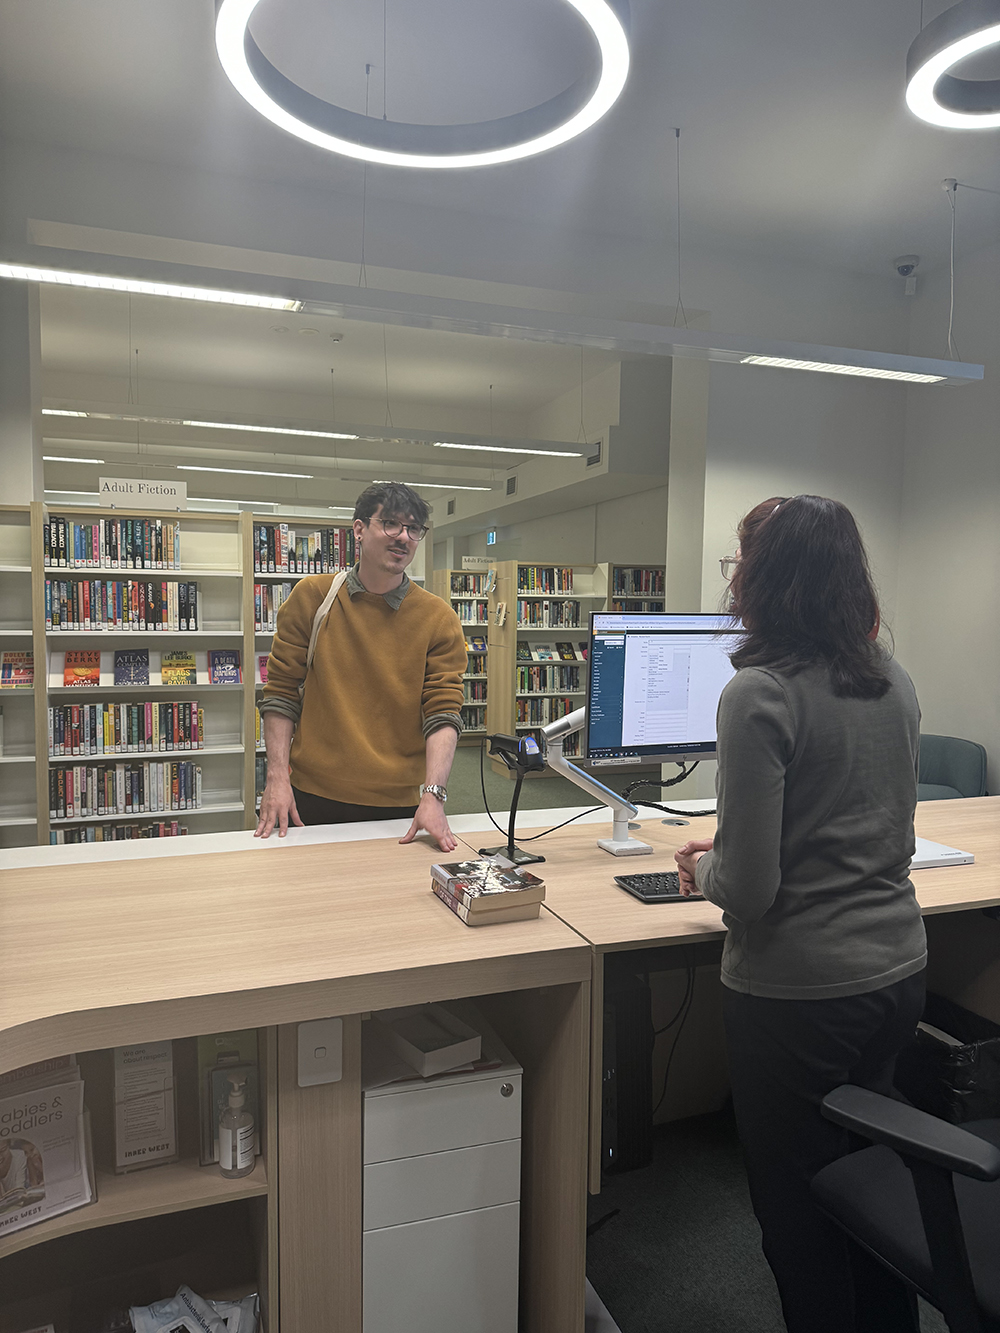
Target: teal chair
950, 767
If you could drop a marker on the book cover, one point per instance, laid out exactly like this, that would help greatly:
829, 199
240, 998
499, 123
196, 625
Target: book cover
544, 652
44, 1168
262, 667
17, 671
82, 668
583, 647
523, 912
523, 650
566, 651
476, 643
224, 666
131, 666
478, 903
178, 668
483, 884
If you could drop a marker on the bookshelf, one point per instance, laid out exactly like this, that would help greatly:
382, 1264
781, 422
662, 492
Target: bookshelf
636, 588
467, 593
545, 604
146, 1219
18, 804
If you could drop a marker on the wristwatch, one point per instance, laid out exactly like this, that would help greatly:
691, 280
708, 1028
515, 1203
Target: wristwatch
435, 790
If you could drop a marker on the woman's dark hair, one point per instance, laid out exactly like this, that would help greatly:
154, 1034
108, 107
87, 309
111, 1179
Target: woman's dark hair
397, 500
804, 592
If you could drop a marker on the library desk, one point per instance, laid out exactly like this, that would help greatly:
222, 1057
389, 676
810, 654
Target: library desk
103, 945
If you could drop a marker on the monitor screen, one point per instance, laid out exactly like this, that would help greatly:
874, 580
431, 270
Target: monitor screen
653, 685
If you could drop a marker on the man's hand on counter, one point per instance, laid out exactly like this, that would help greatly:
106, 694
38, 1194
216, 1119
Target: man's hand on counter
277, 808
430, 818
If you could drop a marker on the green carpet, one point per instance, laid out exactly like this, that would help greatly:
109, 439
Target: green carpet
683, 1253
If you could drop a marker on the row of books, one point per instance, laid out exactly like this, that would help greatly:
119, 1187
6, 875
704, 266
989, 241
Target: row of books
474, 691
84, 668
551, 652
116, 832
135, 728
544, 578
267, 600
17, 670
473, 584
471, 612
473, 717
279, 549
547, 614
545, 679
619, 604
537, 712
571, 744
629, 582
120, 604
83, 791
112, 543
476, 665
485, 893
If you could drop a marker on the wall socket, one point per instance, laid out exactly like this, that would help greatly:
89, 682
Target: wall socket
321, 1051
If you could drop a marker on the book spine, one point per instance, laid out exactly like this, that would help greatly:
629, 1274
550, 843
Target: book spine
451, 903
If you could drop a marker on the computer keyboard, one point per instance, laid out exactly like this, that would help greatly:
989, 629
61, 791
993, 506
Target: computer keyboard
661, 887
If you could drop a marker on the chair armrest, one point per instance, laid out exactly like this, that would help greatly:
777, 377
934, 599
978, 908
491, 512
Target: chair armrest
911, 1132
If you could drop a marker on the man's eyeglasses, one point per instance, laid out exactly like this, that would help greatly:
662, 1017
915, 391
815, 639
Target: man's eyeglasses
728, 565
392, 528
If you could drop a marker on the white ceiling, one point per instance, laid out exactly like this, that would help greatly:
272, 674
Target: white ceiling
796, 139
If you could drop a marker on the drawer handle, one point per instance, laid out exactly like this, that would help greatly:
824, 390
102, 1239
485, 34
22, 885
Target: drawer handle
506, 1089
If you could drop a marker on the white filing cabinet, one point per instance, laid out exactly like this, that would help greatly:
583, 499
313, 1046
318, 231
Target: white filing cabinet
442, 1168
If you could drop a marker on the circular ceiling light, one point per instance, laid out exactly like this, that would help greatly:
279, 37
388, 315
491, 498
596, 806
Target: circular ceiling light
396, 144
937, 96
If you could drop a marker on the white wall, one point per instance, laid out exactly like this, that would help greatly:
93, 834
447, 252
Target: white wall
948, 624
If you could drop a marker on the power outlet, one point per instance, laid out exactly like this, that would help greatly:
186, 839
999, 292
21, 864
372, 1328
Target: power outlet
321, 1051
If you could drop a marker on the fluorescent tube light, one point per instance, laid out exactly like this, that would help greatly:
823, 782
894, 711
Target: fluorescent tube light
504, 449
57, 458
207, 425
831, 368
275, 98
242, 471
432, 485
94, 493
106, 283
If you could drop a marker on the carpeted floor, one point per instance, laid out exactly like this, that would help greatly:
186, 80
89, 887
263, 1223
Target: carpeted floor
683, 1253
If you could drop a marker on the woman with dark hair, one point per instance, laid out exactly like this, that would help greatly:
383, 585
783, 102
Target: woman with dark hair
823, 965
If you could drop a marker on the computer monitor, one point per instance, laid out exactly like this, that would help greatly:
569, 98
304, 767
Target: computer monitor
654, 681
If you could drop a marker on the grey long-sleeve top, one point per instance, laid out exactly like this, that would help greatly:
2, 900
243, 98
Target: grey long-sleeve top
815, 834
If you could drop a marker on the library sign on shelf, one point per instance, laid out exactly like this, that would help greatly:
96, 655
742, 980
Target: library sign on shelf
476, 562
130, 493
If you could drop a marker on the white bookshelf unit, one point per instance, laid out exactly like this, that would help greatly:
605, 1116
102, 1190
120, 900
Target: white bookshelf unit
466, 592
18, 788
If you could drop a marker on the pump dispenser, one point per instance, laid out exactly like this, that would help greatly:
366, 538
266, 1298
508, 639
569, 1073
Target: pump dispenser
236, 1132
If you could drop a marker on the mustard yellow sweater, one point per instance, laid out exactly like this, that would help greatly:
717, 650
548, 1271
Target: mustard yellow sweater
377, 673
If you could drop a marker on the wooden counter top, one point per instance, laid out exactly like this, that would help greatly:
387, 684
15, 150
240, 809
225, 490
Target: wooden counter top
99, 954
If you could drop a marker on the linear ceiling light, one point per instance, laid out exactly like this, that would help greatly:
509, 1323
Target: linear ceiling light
939, 97
58, 458
206, 425
502, 449
106, 283
242, 471
432, 485
830, 368
94, 493
396, 144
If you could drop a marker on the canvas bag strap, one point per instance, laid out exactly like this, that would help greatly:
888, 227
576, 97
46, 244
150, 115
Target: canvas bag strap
324, 610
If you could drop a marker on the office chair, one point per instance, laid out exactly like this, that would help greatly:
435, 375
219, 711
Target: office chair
950, 767
923, 1201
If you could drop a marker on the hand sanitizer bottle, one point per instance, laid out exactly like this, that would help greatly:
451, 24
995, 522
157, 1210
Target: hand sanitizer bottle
236, 1132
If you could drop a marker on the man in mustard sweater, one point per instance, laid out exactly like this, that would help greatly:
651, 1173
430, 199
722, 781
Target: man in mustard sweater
373, 735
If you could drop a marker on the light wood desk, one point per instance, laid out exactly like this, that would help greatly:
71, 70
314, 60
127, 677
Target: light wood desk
97, 952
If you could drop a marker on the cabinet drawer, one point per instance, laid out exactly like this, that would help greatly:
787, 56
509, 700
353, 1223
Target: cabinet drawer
431, 1119
454, 1274
435, 1184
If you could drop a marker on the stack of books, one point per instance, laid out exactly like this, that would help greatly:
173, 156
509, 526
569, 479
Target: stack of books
485, 893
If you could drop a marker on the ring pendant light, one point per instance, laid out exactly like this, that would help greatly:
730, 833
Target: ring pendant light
397, 144
939, 97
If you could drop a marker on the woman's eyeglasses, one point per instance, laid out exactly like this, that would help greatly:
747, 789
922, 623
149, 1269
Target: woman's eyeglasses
392, 528
728, 565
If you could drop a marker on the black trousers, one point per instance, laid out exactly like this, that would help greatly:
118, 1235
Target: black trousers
784, 1057
318, 810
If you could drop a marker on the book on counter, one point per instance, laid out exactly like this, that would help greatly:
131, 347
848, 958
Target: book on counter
224, 666
131, 666
178, 668
83, 668
17, 671
484, 893
45, 1166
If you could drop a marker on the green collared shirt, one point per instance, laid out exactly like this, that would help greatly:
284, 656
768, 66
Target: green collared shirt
394, 596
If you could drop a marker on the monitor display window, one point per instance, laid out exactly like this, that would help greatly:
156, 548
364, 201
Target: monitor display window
654, 684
